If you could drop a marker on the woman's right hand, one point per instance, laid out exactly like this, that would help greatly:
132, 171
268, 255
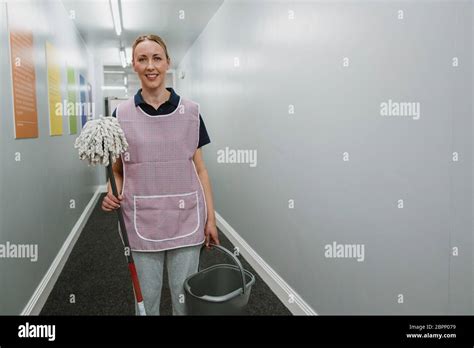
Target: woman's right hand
110, 202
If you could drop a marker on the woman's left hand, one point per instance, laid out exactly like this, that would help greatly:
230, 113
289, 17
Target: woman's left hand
210, 232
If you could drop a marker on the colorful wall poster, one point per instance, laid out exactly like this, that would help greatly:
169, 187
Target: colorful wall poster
82, 88
54, 91
71, 102
91, 108
25, 111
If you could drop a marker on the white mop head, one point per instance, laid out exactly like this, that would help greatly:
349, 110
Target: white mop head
98, 138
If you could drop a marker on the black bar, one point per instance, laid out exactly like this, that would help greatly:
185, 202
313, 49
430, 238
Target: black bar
240, 330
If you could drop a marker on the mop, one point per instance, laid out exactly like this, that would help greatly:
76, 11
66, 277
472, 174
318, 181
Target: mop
101, 142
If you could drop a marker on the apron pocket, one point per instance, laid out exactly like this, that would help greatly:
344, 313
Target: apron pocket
166, 217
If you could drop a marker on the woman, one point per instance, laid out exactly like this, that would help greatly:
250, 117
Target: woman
166, 195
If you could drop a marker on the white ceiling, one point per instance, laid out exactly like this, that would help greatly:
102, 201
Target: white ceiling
93, 19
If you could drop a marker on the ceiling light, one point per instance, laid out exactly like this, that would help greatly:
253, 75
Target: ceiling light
113, 88
114, 72
123, 58
116, 15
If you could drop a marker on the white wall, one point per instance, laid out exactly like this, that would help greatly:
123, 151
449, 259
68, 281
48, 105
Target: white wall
300, 62
36, 192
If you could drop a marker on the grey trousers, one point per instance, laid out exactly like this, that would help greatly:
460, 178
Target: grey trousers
181, 263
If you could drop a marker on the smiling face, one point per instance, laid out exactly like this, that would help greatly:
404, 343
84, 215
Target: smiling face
150, 64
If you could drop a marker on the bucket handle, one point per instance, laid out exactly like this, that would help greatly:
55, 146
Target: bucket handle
234, 258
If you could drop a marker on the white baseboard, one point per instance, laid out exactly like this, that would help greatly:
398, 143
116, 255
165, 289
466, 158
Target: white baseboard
37, 301
295, 304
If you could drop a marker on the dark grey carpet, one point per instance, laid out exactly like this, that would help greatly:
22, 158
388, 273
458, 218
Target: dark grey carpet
95, 278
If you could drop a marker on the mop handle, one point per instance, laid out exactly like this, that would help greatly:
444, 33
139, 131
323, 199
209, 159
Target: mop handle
123, 231
120, 215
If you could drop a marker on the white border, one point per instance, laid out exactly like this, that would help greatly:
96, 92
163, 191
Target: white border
121, 155
199, 125
176, 247
44, 288
203, 194
160, 196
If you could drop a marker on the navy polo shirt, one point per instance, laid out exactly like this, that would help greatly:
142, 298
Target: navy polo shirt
168, 107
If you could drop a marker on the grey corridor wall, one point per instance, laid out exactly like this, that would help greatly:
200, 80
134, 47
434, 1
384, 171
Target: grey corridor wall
35, 192
299, 62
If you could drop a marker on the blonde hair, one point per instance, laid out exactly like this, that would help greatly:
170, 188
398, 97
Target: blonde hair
150, 37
